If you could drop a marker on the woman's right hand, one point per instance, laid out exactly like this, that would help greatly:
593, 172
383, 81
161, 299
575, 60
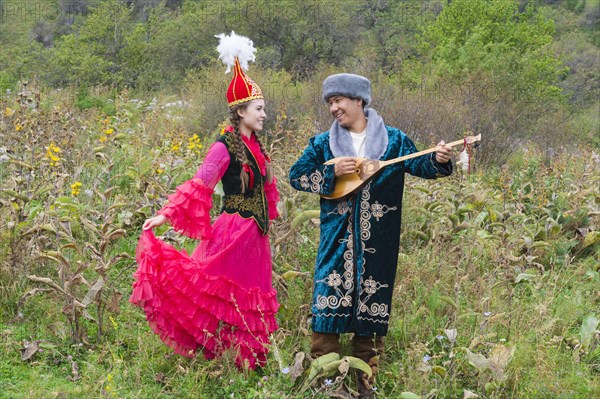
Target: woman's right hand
154, 222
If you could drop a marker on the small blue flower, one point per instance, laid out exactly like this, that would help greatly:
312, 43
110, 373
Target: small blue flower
487, 314
328, 382
441, 338
426, 359
285, 370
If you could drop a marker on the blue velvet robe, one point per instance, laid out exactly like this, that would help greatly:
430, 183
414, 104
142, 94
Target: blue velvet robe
360, 236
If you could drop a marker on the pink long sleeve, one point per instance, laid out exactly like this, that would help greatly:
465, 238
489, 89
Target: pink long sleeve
214, 166
188, 209
272, 195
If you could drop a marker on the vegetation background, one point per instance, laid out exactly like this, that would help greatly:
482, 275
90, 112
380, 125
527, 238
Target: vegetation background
107, 105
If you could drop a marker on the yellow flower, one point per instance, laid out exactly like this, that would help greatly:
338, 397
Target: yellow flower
8, 112
75, 188
102, 139
109, 131
159, 171
175, 147
194, 142
18, 127
52, 152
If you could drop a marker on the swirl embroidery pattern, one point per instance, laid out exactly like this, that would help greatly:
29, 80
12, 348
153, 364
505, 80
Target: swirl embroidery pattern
342, 284
313, 182
368, 287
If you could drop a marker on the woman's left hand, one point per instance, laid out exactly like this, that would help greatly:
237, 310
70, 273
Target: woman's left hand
154, 222
443, 152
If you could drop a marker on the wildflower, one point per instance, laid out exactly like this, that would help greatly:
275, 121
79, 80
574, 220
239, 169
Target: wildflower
75, 188
175, 147
8, 112
109, 131
426, 358
52, 152
159, 171
194, 142
285, 370
103, 139
88, 192
4, 158
328, 382
441, 338
18, 127
487, 314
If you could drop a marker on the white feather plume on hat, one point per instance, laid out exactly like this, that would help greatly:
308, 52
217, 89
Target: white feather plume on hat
232, 46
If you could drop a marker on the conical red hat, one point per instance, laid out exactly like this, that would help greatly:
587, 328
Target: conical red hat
242, 88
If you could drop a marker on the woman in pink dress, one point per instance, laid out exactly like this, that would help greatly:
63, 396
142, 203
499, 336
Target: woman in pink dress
221, 296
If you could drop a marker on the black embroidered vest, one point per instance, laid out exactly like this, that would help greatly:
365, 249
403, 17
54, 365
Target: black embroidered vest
253, 203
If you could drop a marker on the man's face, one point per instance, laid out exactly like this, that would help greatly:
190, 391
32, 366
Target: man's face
346, 111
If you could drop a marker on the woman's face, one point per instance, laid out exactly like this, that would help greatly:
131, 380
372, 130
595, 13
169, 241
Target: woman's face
253, 116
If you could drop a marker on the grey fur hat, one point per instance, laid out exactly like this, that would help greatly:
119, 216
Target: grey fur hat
347, 85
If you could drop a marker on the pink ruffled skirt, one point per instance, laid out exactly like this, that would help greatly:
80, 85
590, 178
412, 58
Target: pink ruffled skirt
219, 298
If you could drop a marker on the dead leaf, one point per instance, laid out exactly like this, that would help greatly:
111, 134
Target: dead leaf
499, 359
29, 349
469, 395
297, 368
113, 305
344, 366
451, 334
93, 292
480, 362
341, 392
49, 282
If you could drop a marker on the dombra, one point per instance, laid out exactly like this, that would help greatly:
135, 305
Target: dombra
366, 169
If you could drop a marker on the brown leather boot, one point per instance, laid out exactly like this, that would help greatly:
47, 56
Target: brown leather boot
324, 343
368, 349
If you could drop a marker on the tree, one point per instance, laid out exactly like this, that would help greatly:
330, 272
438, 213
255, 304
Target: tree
106, 48
505, 60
